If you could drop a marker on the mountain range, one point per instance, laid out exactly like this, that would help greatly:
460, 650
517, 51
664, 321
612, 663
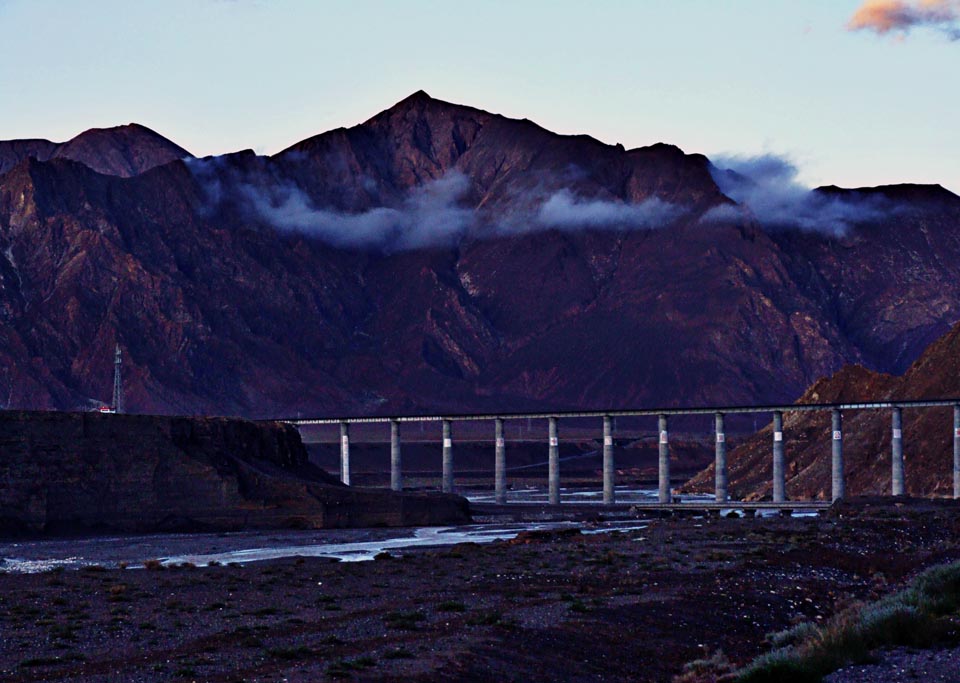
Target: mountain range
441, 258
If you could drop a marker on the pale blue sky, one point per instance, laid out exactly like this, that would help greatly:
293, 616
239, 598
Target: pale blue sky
741, 76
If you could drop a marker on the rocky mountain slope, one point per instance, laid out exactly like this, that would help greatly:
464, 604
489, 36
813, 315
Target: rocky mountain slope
438, 257
927, 434
75, 473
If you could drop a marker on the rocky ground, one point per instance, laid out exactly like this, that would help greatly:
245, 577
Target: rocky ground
544, 607
902, 665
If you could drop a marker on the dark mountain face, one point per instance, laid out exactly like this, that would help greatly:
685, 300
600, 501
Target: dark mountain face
439, 257
121, 151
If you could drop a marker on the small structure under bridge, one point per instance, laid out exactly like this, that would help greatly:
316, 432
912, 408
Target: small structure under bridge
605, 420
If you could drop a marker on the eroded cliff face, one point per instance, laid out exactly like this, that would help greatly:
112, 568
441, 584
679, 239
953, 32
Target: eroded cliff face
927, 434
79, 472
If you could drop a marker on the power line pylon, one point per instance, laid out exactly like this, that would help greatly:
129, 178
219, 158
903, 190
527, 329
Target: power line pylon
117, 382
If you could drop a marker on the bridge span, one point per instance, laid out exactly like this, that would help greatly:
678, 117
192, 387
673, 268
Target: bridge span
749, 508
665, 499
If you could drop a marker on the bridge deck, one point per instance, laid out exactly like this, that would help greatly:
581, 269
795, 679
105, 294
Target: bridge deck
711, 410
689, 506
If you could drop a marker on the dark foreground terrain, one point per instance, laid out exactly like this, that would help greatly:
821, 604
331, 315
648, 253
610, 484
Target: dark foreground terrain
543, 607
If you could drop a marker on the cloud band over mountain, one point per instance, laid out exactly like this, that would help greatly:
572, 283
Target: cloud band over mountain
767, 188
438, 214
431, 215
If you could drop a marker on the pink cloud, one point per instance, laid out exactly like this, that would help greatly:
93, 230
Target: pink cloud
899, 16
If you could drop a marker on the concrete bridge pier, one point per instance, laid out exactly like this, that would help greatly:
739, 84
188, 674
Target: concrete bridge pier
956, 451
553, 463
345, 453
837, 483
896, 446
779, 480
396, 475
664, 470
609, 496
499, 462
720, 488
447, 476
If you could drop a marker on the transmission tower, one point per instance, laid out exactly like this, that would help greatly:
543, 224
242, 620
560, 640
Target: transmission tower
117, 382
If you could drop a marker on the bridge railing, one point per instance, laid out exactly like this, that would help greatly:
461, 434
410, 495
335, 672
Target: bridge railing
663, 415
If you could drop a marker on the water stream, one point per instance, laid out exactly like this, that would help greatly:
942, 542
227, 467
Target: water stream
347, 545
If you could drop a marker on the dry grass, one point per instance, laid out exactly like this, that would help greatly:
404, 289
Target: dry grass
918, 616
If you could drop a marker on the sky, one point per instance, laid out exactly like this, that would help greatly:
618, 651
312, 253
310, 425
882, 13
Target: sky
855, 92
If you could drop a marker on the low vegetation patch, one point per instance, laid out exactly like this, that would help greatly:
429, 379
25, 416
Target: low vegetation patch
491, 618
344, 668
399, 653
405, 620
709, 669
290, 653
921, 615
48, 661
452, 606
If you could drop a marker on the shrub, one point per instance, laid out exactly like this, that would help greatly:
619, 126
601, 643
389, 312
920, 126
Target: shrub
452, 606
709, 668
492, 618
399, 653
404, 620
937, 590
290, 653
783, 665
917, 616
793, 635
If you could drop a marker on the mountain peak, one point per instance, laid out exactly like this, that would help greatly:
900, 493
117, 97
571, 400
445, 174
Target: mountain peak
418, 96
415, 101
126, 130
420, 105
125, 150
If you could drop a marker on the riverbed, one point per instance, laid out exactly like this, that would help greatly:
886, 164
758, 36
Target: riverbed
567, 604
347, 545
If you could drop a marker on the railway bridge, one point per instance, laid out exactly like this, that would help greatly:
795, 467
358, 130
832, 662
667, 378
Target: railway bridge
663, 416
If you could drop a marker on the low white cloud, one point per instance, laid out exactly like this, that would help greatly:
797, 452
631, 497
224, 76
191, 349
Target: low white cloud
567, 211
766, 187
430, 216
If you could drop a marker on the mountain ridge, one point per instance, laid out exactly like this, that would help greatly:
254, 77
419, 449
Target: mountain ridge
124, 150
14, 150
897, 192
573, 274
